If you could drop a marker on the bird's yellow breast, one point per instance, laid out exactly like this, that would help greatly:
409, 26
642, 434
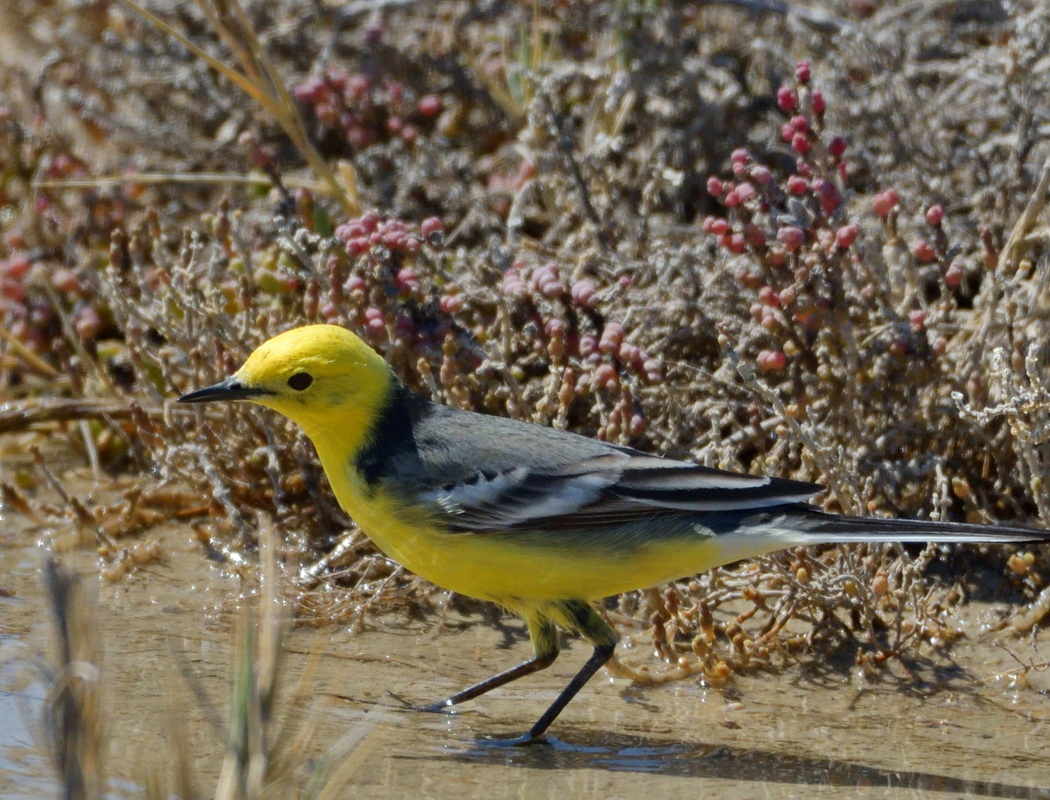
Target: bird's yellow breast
519, 570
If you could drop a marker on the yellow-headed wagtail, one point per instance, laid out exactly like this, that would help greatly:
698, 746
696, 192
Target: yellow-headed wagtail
541, 521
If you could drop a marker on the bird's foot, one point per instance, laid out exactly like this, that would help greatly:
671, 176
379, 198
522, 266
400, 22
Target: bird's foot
517, 741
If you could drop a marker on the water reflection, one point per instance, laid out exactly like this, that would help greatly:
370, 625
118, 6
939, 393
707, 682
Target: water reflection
718, 762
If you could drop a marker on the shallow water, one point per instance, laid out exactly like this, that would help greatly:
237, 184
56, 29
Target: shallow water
760, 736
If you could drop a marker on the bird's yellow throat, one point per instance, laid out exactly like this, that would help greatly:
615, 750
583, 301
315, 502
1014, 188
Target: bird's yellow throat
350, 384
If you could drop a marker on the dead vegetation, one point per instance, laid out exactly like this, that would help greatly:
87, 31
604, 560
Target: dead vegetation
553, 240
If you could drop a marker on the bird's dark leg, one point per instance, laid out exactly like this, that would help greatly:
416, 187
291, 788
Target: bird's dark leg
544, 638
582, 618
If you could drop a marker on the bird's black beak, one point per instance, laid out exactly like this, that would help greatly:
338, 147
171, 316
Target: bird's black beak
229, 389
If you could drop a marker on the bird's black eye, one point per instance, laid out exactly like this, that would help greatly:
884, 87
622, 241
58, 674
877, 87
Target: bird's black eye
300, 381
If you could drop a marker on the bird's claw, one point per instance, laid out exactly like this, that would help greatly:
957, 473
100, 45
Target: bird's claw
517, 741
440, 707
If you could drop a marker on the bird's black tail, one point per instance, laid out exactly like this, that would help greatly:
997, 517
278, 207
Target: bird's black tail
813, 526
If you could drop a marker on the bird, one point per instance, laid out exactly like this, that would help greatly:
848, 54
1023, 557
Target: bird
543, 522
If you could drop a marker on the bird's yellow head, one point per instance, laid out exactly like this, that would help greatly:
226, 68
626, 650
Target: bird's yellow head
322, 377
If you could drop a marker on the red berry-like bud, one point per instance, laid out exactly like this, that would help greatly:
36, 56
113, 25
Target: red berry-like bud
350, 230
797, 185
630, 353
431, 225
313, 90
761, 175
739, 156
406, 279
514, 286
771, 360
884, 202
555, 327
584, 294
357, 245
736, 244
800, 123
605, 377
776, 257
429, 105
954, 276
370, 220
935, 215
12, 290
770, 321
924, 251
800, 144
791, 237
17, 266
802, 72
847, 235
750, 279
745, 192
395, 240
715, 187
612, 337
818, 102
732, 199
787, 99
828, 194
787, 132
837, 146
544, 273
551, 288
451, 303
753, 235
768, 295
917, 318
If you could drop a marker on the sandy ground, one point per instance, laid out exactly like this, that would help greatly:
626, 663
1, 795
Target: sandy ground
970, 735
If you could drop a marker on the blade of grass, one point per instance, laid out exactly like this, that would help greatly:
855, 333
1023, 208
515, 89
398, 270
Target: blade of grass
73, 722
261, 83
101, 181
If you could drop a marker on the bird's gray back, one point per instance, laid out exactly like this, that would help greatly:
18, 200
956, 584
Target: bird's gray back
451, 445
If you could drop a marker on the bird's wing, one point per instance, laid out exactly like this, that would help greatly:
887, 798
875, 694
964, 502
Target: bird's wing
614, 487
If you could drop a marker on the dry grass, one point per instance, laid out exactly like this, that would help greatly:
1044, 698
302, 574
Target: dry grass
268, 739
557, 152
